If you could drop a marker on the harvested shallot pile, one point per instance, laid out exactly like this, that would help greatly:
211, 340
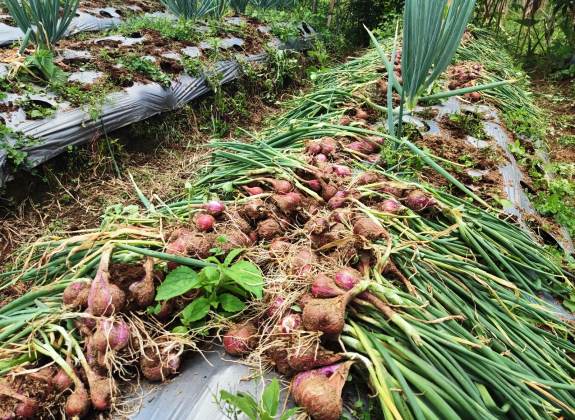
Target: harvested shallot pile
311, 252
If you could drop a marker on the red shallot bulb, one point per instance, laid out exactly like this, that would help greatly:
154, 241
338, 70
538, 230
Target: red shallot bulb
214, 208
205, 222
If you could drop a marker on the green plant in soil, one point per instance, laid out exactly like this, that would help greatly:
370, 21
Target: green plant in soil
267, 408
35, 111
39, 67
220, 286
146, 67
178, 30
93, 98
12, 144
470, 123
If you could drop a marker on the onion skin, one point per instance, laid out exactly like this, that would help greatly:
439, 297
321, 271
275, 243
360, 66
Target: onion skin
345, 120
326, 315
289, 202
100, 393
76, 294
361, 114
369, 229
314, 185
390, 206
305, 357
280, 186
254, 210
240, 339
338, 200
341, 170
328, 190
275, 307
368, 178
116, 333
205, 222
187, 243
302, 261
328, 146
214, 208
318, 391
324, 287
142, 292
347, 277
313, 148
253, 190
27, 409
417, 200
62, 381
363, 147
105, 298
279, 248
78, 403
158, 367
320, 158
290, 323
269, 229
317, 226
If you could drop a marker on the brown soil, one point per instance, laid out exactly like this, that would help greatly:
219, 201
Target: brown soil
455, 148
106, 53
563, 121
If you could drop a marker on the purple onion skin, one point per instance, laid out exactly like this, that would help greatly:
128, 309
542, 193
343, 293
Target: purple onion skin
417, 200
325, 287
390, 206
326, 371
118, 333
275, 307
346, 280
341, 170
101, 300
214, 207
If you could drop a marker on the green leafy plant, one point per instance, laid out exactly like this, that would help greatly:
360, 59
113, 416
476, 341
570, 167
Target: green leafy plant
44, 22
470, 123
432, 32
221, 285
146, 67
179, 30
40, 67
266, 409
189, 9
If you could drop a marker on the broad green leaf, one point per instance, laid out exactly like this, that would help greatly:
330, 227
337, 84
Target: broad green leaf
231, 303
180, 329
271, 397
196, 310
211, 275
248, 276
179, 281
232, 255
245, 403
